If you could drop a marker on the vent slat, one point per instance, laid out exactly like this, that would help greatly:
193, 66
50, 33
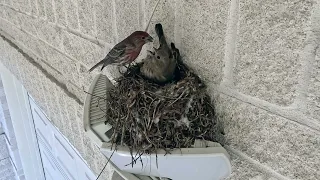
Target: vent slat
97, 121
102, 87
98, 113
95, 102
97, 109
99, 92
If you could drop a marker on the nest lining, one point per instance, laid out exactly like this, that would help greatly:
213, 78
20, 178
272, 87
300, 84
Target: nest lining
146, 116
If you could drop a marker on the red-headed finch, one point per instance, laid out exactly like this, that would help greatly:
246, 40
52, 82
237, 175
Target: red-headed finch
126, 51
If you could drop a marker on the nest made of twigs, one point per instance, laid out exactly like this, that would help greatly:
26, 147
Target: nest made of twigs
146, 116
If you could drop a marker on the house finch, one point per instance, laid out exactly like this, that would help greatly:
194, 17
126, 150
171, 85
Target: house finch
126, 51
160, 65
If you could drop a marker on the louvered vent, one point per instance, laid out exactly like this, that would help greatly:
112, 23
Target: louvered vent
94, 110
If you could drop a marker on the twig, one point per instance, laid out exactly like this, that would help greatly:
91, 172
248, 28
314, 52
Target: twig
95, 95
122, 135
154, 9
134, 160
178, 97
171, 101
106, 164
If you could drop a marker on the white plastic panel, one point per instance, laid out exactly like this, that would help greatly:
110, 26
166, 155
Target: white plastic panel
26, 157
42, 129
93, 116
66, 157
84, 173
51, 170
69, 165
210, 163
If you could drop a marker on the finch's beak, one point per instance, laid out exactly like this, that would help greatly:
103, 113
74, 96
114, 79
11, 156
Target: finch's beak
150, 39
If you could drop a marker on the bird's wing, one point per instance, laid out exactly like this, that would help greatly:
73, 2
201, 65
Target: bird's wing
121, 52
117, 51
114, 56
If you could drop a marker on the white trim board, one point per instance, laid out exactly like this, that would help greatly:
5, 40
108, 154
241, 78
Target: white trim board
23, 128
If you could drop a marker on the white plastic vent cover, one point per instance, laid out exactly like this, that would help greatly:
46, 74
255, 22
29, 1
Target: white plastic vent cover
93, 110
206, 160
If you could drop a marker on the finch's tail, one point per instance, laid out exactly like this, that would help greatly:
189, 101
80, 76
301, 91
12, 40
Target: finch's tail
159, 30
95, 66
175, 52
162, 38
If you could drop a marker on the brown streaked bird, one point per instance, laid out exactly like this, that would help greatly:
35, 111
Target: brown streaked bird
126, 51
160, 65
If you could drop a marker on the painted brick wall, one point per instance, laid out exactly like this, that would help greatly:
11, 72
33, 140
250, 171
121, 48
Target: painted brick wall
259, 58
6, 168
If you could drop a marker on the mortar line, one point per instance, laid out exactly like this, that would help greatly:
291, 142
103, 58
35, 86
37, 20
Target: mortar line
45, 11
56, 99
14, 9
143, 7
19, 75
62, 85
178, 22
114, 22
239, 98
56, 49
40, 74
45, 62
94, 40
257, 164
84, 36
29, 12
64, 9
29, 3
29, 50
289, 114
307, 59
95, 20
139, 12
78, 119
78, 16
54, 12
230, 44
69, 121
302, 88
37, 8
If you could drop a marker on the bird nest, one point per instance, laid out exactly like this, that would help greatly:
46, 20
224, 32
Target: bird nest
146, 116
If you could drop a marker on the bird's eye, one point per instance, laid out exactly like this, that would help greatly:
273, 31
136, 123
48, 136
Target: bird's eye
158, 57
143, 37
